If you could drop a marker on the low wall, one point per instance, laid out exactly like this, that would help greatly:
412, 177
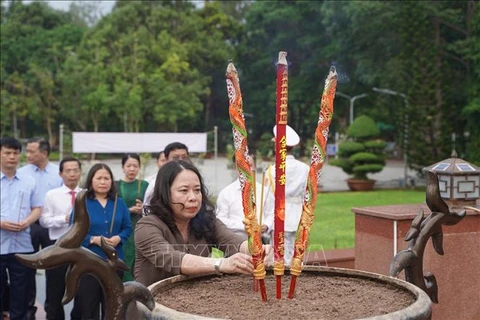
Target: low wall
380, 233
339, 258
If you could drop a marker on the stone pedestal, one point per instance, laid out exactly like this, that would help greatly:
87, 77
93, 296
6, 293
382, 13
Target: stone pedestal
379, 235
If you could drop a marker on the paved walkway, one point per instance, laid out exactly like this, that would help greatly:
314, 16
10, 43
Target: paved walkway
217, 175
41, 315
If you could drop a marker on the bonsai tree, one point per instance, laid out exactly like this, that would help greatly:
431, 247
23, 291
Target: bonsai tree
363, 151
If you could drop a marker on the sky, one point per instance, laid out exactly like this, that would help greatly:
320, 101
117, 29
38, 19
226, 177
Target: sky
105, 5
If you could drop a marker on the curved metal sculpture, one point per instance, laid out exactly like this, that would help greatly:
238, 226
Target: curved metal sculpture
68, 250
411, 259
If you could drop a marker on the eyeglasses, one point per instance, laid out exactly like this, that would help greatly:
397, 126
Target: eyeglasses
71, 171
184, 157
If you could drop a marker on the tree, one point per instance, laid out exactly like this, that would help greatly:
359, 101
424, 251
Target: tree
420, 49
470, 46
159, 66
35, 40
85, 13
284, 26
158, 61
437, 89
362, 152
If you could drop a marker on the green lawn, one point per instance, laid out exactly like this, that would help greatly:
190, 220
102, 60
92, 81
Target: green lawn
334, 225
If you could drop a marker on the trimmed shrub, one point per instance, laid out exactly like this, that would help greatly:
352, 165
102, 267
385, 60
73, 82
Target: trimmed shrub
375, 144
363, 127
349, 147
363, 152
363, 157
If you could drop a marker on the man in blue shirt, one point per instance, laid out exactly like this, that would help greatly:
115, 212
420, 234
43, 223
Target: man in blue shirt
46, 178
20, 208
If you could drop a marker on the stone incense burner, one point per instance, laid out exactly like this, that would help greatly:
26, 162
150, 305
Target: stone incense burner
322, 293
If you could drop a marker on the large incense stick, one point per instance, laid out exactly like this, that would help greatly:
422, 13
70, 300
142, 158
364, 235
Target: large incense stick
252, 228
318, 156
260, 219
280, 178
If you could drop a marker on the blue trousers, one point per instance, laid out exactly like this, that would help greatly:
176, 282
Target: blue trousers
19, 276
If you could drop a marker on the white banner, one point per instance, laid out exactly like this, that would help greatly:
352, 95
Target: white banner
123, 142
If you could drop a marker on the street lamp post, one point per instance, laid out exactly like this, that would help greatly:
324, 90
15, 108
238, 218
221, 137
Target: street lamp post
15, 130
352, 102
61, 141
405, 129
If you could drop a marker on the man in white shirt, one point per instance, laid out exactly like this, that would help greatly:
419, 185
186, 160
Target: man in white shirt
296, 173
55, 216
161, 160
173, 151
230, 208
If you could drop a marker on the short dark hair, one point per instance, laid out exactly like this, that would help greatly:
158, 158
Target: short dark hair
88, 184
174, 146
10, 143
127, 156
69, 159
203, 224
160, 154
43, 144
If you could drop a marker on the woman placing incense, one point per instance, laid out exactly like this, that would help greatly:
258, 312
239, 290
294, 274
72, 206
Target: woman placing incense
181, 229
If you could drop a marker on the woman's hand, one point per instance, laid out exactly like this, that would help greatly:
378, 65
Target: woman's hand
137, 208
113, 241
268, 250
268, 259
95, 240
238, 263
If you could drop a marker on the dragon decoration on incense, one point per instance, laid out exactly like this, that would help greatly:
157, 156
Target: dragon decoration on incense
325, 116
411, 259
68, 250
252, 226
245, 175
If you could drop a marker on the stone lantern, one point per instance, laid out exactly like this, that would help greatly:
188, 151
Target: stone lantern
459, 181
